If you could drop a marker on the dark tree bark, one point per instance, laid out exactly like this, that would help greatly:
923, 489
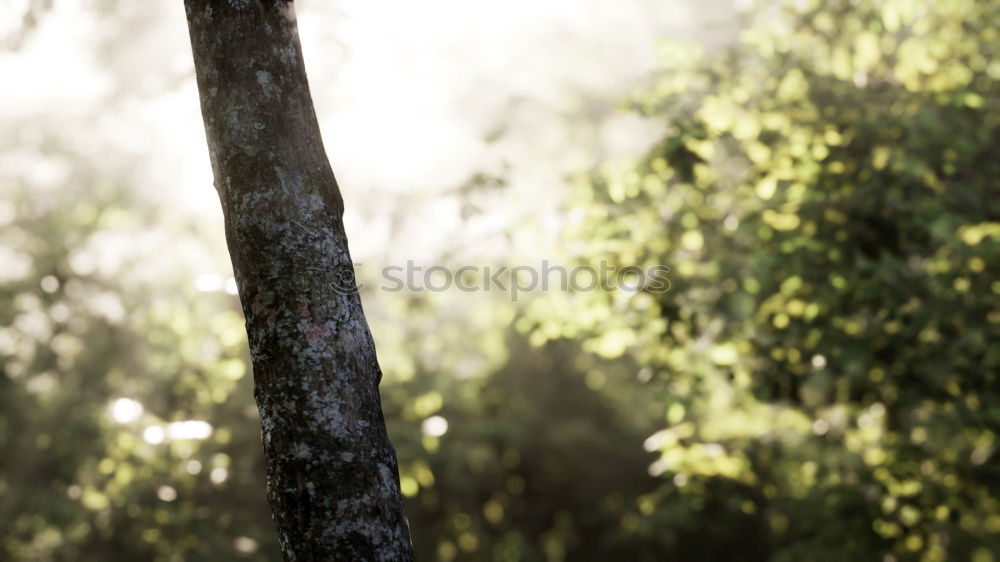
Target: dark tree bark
332, 478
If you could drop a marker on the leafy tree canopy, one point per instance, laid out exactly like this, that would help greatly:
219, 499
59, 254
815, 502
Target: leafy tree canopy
826, 196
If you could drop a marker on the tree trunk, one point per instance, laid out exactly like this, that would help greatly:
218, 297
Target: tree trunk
332, 478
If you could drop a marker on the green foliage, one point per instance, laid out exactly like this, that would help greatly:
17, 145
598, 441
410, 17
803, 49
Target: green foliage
534, 466
75, 483
827, 199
